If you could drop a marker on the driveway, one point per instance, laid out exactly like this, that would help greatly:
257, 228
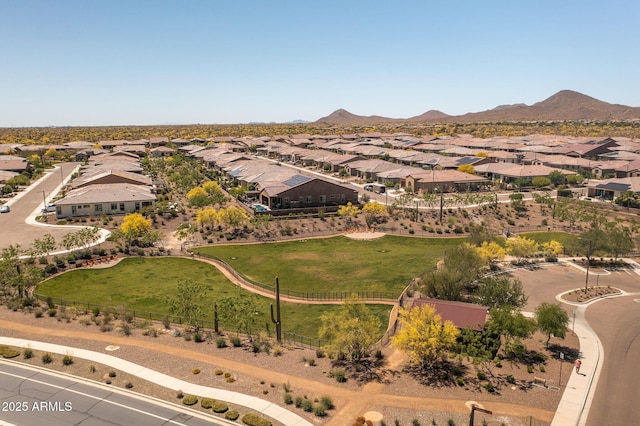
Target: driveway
19, 226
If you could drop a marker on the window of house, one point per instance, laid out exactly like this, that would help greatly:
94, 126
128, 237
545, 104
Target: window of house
74, 209
309, 198
343, 198
97, 207
137, 205
121, 207
323, 198
285, 201
114, 206
301, 199
332, 196
146, 203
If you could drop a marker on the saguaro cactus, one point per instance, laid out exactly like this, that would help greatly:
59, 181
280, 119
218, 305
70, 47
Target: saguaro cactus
276, 320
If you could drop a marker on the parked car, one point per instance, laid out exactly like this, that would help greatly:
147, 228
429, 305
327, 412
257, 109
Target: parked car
5, 209
51, 208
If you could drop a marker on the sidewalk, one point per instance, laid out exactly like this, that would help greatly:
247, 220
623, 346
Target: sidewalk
256, 404
580, 388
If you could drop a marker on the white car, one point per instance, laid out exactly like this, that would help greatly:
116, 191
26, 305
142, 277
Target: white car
51, 208
5, 209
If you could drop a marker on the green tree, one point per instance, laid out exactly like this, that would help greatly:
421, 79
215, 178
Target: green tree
517, 201
552, 320
240, 312
188, 303
628, 199
442, 284
619, 239
541, 181
511, 324
351, 331
499, 291
557, 178
423, 335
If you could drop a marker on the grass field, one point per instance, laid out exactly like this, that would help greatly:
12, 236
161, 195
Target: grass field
144, 284
336, 264
564, 238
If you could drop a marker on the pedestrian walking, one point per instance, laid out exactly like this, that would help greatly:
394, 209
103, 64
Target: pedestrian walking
578, 365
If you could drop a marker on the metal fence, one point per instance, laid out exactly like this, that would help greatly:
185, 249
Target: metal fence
317, 296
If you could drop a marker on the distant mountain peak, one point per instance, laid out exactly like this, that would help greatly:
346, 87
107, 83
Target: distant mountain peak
565, 105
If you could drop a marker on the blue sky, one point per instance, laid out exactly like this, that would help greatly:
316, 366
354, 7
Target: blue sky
141, 62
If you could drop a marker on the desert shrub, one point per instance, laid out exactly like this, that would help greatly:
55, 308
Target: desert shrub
190, 400
320, 353
307, 405
195, 371
489, 387
230, 379
231, 415
219, 407
128, 385
179, 394
221, 342
218, 372
46, 358
481, 375
511, 379
7, 352
207, 403
460, 381
327, 402
298, 401
529, 369
339, 375
236, 342
38, 313
198, 337
27, 353
542, 369
112, 374
288, 398
67, 360
52, 312
319, 411
252, 419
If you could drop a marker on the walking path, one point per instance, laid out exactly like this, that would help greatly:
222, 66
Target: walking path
371, 395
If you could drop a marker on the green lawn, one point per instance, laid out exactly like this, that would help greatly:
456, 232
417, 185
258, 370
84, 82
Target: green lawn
336, 264
564, 238
144, 283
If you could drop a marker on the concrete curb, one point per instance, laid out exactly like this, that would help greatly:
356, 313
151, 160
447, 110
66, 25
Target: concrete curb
267, 408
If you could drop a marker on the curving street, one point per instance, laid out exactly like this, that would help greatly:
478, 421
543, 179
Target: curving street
19, 226
31, 396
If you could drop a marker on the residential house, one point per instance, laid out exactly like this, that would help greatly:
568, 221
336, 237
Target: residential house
444, 181
105, 199
300, 192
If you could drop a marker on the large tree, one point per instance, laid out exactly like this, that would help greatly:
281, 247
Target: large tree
552, 320
423, 335
499, 291
240, 312
188, 303
351, 331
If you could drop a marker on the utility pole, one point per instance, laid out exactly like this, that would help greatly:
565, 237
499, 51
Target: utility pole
277, 320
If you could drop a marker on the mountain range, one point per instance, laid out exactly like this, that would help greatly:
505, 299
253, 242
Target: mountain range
565, 105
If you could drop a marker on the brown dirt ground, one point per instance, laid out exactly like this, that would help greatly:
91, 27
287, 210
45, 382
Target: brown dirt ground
395, 392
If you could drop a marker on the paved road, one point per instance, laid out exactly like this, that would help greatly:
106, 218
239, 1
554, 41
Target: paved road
29, 397
617, 323
14, 229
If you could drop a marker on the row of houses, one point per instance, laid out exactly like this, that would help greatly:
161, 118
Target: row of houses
108, 184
